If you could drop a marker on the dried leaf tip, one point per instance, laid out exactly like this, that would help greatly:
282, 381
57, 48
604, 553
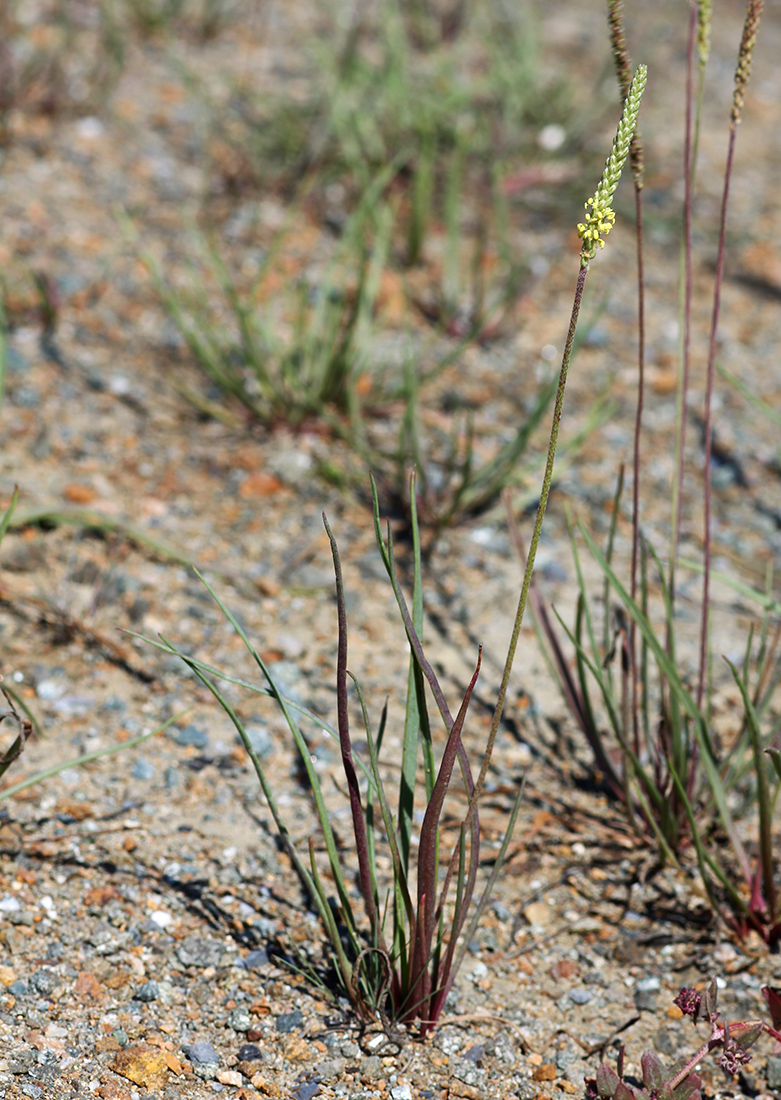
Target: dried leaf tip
599, 215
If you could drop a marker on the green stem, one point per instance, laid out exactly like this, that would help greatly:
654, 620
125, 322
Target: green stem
541, 508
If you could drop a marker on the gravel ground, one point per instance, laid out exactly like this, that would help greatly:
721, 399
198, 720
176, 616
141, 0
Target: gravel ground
148, 919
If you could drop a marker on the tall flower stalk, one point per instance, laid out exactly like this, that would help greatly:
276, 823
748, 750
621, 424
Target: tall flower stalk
599, 220
623, 68
742, 74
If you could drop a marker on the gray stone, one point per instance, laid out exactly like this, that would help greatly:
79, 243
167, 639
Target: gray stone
289, 1021
142, 769
287, 675
207, 1071
526, 1089
333, 1068
449, 1041
502, 1048
566, 1056
502, 912
147, 992
195, 951
256, 959
666, 1041
239, 1019
580, 996
774, 1072
22, 917
647, 993
190, 735
22, 1061
467, 1072
260, 739
202, 1053
371, 1067
44, 981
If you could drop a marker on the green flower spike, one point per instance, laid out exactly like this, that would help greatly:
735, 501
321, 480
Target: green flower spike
704, 18
599, 214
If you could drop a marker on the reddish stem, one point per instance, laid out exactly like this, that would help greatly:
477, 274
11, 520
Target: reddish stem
709, 419
636, 453
687, 292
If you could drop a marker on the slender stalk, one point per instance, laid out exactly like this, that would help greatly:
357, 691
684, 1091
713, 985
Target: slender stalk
636, 449
636, 159
535, 540
597, 223
742, 73
683, 390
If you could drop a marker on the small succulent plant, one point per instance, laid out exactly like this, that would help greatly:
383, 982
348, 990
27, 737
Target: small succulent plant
730, 1042
659, 1083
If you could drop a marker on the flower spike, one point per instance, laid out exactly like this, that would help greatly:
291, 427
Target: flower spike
599, 214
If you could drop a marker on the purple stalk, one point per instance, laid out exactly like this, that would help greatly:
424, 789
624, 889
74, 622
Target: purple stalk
636, 456
636, 159
472, 817
687, 300
751, 23
359, 822
420, 978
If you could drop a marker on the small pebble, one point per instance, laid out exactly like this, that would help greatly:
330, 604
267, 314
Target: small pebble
74, 706
44, 981
260, 739
190, 736
256, 959
371, 1067
143, 770
230, 1077
647, 993
289, 1021
195, 951
580, 996
202, 1052
239, 1019
49, 690
774, 1072
149, 991
306, 1092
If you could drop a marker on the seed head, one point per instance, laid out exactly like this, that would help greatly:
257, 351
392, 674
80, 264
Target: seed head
747, 43
615, 19
704, 14
600, 217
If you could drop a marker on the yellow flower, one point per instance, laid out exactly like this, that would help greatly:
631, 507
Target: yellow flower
600, 218
598, 221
